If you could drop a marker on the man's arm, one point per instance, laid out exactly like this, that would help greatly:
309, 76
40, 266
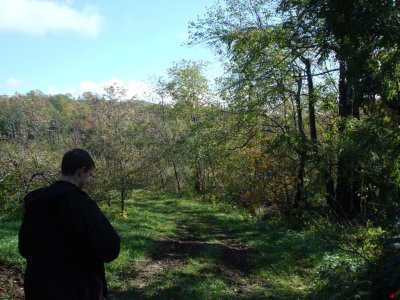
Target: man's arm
23, 234
95, 231
22, 238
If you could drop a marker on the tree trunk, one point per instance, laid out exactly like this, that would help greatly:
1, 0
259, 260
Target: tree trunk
122, 189
347, 200
343, 190
162, 180
311, 100
299, 199
199, 178
123, 196
178, 186
330, 183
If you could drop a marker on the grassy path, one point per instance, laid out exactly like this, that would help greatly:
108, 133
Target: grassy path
183, 249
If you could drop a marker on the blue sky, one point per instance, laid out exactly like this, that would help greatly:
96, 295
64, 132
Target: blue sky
61, 46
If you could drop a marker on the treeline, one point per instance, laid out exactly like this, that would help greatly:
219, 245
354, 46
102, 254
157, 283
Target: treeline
306, 117
221, 145
178, 145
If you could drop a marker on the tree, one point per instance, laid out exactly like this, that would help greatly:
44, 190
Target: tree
359, 35
266, 40
115, 144
267, 70
188, 90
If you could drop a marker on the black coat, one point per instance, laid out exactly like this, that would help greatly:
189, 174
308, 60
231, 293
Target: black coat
65, 239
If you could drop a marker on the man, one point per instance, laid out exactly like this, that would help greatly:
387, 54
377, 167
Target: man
65, 238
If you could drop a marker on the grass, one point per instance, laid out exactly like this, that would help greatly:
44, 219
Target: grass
178, 248
9, 227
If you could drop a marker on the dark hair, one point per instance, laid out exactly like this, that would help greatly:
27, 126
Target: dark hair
75, 159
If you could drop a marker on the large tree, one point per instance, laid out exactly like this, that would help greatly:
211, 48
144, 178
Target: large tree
361, 37
353, 42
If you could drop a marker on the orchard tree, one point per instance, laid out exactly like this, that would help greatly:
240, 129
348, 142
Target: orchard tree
187, 88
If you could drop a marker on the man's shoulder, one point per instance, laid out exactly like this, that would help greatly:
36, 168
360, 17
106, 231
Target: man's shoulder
67, 190
79, 198
39, 192
81, 194
82, 206
35, 193
56, 191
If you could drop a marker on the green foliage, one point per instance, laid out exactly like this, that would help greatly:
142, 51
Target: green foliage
385, 272
345, 279
9, 226
349, 277
305, 118
374, 143
354, 267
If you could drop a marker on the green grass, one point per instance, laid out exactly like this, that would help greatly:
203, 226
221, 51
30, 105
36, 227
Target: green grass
9, 227
283, 263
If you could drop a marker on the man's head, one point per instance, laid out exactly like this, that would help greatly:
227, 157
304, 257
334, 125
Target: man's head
76, 166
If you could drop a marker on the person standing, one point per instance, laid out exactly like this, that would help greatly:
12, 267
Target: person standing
65, 238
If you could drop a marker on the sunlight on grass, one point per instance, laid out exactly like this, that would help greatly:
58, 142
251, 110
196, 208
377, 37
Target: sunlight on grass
9, 241
137, 231
285, 263
194, 281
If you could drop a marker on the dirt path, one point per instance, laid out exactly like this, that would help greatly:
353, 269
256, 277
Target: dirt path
11, 283
233, 264
233, 261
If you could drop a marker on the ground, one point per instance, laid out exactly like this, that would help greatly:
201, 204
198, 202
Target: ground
233, 264
11, 282
176, 248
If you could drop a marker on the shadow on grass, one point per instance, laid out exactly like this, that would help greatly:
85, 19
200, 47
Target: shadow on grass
177, 285
278, 243
246, 258
179, 249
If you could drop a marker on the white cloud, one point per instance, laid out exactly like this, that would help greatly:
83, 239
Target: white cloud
39, 17
91, 86
141, 90
98, 88
12, 83
53, 90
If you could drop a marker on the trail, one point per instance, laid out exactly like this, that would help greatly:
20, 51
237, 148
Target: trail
233, 263
11, 283
201, 257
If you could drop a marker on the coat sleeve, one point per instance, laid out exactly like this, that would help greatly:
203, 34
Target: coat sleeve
23, 234
98, 237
